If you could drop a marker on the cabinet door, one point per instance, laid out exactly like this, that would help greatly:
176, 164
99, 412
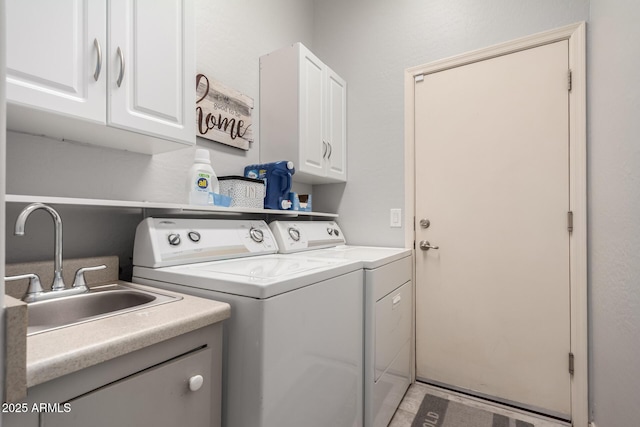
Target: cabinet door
152, 68
336, 126
313, 149
53, 56
158, 397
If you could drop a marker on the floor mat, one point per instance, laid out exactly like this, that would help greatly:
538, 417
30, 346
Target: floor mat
436, 411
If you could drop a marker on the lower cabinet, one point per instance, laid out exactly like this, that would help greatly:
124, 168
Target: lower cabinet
182, 389
155, 397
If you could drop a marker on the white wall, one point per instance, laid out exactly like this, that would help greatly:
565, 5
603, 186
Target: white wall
231, 36
370, 43
614, 210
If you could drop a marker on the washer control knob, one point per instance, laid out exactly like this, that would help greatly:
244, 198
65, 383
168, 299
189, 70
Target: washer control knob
174, 239
336, 232
256, 235
294, 233
330, 231
194, 236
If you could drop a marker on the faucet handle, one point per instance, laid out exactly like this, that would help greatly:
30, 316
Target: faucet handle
35, 287
79, 280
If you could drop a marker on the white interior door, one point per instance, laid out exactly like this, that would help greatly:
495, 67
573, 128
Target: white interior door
492, 176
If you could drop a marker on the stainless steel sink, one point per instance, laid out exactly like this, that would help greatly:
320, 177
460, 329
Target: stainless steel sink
98, 303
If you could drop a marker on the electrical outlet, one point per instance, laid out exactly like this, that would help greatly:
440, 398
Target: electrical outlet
396, 218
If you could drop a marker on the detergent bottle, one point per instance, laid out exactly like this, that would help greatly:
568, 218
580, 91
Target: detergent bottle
277, 180
202, 180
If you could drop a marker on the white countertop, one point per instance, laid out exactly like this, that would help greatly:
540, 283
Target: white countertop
59, 352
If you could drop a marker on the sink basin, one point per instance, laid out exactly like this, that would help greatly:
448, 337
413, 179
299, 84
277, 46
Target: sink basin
98, 303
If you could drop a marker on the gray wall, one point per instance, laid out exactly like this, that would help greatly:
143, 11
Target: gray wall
614, 210
2, 188
370, 43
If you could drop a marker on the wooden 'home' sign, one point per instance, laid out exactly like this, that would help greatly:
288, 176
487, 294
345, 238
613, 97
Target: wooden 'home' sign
223, 114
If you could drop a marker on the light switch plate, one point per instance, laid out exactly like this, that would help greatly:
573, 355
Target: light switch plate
396, 218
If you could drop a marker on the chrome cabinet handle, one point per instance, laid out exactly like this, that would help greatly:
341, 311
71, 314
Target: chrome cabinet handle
121, 76
326, 148
330, 150
96, 74
425, 245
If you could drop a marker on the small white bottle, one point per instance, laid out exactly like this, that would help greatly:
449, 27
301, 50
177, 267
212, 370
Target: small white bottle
202, 180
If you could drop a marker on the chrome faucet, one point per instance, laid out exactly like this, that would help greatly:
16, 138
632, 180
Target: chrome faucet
58, 281
35, 292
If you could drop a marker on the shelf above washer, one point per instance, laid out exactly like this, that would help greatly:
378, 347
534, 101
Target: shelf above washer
160, 207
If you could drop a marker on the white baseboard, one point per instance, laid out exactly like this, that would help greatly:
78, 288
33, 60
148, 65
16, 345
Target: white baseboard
592, 424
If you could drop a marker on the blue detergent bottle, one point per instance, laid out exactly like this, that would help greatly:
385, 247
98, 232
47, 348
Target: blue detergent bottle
277, 180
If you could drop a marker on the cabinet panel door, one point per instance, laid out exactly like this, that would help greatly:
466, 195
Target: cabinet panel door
158, 397
313, 149
52, 56
336, 126
152, 51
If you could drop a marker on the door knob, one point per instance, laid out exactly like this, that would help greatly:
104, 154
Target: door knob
425, 223
425, 245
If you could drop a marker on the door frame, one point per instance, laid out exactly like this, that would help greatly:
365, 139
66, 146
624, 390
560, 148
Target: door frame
575, 34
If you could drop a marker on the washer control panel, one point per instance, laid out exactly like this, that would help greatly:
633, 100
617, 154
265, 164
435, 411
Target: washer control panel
162, 242
297, 236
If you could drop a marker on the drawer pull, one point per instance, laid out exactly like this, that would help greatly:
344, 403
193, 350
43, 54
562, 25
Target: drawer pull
121, 75
96, 74
195, 382
396, 300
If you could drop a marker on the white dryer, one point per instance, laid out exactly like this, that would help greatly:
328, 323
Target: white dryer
388, 296
293, 344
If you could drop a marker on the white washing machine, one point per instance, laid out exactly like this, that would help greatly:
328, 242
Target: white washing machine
388, 308
293, 345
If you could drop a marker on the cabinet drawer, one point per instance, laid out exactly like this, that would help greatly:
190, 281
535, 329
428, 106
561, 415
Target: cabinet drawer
158, 396
382, 280
393, 327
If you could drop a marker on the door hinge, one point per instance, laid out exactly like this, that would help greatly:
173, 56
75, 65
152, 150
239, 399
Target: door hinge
569, 80
570, 221
571, 362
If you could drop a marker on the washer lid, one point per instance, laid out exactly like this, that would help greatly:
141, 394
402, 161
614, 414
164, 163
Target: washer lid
371, 256
257, 277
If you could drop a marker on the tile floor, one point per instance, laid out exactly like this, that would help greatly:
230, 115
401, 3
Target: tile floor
413, 398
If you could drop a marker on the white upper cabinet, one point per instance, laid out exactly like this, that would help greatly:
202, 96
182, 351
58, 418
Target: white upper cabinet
55, 56
336, 126
118, 73
151, 87
303, 115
